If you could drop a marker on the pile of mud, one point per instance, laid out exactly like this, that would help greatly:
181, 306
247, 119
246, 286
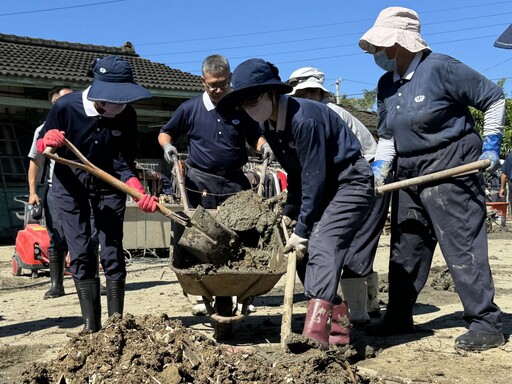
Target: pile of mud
154, 349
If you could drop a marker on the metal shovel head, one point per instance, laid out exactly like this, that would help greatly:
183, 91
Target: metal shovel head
209, 240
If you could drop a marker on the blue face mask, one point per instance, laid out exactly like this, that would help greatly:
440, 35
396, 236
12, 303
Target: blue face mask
382, 60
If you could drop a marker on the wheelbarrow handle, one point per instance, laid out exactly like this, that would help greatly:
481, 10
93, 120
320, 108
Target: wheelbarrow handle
451, 172
263, 172
181, 184
87, 166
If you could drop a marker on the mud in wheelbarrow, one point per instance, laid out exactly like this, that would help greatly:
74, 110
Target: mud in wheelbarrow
217, 286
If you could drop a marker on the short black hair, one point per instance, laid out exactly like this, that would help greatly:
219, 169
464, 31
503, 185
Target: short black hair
56, 90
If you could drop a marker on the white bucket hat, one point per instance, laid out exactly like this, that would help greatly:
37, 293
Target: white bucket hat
307, 77
395, 25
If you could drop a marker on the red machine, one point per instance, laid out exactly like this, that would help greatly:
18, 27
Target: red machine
32, 242
31, 250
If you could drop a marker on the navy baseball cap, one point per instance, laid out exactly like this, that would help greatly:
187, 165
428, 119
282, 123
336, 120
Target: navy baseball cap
113, 82
251, 78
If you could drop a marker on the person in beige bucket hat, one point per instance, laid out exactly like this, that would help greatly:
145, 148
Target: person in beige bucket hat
395, 25
425, 126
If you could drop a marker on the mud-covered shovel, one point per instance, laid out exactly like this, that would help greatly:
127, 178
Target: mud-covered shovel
213, 241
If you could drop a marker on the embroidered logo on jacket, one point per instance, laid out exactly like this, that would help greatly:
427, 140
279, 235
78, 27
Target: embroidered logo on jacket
419, 98
116, 133
235, 121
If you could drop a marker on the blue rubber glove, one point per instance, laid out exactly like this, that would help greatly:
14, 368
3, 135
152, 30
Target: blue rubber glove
380, 170
491, 151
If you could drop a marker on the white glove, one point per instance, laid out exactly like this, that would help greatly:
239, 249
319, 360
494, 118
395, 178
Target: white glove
298, 244
170, 151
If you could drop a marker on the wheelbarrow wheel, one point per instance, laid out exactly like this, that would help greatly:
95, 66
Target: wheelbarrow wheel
223, 307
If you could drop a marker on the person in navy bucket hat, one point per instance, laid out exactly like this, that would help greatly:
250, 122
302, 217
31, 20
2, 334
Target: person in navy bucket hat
103, 126
330, 188
113, 82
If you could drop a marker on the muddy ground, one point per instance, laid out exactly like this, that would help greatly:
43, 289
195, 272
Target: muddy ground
159, 341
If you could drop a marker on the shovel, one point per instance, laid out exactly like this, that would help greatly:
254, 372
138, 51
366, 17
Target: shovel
286, 321
451, 172
209, 240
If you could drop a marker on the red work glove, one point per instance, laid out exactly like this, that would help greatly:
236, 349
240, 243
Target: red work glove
53, 138
147, 202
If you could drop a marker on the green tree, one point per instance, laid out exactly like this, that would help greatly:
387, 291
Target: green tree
506, 146
365, 103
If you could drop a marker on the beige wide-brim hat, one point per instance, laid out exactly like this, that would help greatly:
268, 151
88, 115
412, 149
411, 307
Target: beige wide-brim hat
395, 25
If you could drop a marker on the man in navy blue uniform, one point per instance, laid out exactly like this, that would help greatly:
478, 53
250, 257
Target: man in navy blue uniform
216, 142
425, 125
329, 182
101, 124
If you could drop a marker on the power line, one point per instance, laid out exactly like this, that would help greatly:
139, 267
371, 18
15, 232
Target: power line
308, 27
60, 8
311, 39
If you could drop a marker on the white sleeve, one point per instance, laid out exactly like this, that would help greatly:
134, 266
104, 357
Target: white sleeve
494, 118
385, 150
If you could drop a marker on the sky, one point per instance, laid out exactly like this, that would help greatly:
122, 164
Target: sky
289, 33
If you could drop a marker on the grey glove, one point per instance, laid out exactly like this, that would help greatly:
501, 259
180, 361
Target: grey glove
298, 244
289, 222
266, 151
170, 151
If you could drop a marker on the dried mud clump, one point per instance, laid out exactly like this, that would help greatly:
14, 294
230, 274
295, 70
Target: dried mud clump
154, 349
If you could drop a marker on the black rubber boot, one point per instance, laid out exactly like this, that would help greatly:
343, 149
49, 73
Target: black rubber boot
57, 261
394, 322
475, 341
115, 297
89, 295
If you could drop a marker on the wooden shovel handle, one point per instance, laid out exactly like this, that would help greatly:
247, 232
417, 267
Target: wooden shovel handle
451, 172
87, 166
286, 322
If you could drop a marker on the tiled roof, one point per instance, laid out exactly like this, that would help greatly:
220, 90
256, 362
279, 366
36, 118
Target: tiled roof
26, 58
369, 119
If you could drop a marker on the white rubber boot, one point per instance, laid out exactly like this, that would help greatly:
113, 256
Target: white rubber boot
372, 305
355, 294
199, 309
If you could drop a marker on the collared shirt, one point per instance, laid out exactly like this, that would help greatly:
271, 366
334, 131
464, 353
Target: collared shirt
428, 107
365, 137
109, 143
312, 143
38, 158
215, 143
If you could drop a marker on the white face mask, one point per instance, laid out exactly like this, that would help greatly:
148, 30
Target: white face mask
112, 110
262, 110
382, 60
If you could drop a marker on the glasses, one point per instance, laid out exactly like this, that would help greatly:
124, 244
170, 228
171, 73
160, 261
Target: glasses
297, 80
214, 87
253, 100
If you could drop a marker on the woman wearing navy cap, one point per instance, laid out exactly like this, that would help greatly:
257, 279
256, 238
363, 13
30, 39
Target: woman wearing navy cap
101, 124
330, 186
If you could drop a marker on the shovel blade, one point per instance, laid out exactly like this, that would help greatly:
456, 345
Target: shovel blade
209, 240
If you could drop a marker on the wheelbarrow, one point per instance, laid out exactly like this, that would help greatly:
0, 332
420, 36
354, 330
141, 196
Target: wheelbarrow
217, 289
206, 238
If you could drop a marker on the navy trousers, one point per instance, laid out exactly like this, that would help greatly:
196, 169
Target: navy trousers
450, 212
332, 235
108, 207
